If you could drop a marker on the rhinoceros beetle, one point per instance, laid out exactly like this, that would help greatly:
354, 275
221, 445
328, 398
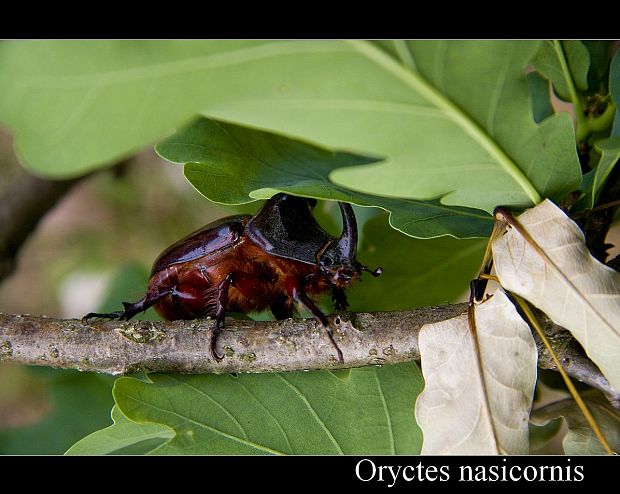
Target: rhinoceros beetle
276, 259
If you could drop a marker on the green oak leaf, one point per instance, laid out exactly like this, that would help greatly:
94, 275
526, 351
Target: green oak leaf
124, 437
474, 141
231, 164
547, 62
610, 154
600, 54
368, 412
594, 180
608, 147
614, 90
541, 98
451, 119
416, 273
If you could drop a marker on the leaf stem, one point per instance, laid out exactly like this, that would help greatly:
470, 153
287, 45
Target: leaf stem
604, 121
403, 52
478, 286
571, 388
413, 79
582, 130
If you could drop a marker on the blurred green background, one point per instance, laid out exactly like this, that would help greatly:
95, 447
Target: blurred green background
95, 246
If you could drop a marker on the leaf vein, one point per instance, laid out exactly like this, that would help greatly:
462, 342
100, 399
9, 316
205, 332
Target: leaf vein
214, 401
260, 403
387, 413
312, 412
214, 430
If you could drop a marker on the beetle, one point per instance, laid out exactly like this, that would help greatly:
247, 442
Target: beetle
279, 258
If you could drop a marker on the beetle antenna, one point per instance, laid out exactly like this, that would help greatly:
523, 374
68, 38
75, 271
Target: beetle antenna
375, 273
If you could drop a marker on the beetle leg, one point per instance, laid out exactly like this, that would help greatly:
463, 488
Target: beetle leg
340, 299
281, 308
302, 298
220, 313
131, 310
119, 314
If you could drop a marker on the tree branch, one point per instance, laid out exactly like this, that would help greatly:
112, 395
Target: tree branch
125, 347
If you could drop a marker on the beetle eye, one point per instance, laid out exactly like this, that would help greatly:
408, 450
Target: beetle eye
327, 261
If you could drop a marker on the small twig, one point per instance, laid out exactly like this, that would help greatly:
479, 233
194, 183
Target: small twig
22, 206
115, 347
611, 204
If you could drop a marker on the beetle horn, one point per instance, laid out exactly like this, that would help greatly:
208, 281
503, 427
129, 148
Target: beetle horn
347, 243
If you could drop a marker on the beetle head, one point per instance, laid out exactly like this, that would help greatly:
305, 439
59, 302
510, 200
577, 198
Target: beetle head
337, 260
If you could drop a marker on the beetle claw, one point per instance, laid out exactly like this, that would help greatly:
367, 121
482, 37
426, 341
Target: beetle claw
215, 355
375, 272
213, 343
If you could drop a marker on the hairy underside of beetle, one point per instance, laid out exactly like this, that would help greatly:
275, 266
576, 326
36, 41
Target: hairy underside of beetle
259, 281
